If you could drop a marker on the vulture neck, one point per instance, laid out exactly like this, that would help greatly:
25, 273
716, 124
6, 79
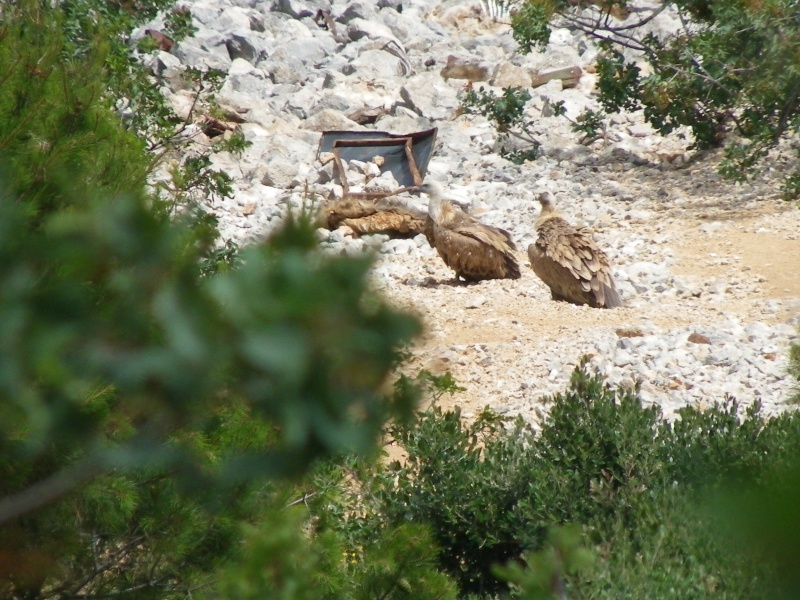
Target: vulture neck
441, 210
548, 212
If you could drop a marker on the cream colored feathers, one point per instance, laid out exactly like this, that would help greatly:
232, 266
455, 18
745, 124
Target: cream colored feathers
569, 262
473, 250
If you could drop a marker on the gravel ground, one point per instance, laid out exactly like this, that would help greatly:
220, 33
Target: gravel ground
707, 270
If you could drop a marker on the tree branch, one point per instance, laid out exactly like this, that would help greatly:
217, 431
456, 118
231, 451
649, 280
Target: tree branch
49, 489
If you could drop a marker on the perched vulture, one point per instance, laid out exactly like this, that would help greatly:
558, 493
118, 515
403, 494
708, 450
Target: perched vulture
368, 216
569, 262
473, 250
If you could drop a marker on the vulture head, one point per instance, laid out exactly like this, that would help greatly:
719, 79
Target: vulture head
548, 202
435, 193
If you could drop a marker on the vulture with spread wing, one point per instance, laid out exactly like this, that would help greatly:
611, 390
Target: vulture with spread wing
365, 216
569, 262
473, 250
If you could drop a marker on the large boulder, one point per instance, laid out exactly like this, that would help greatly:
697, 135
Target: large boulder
361, 28
333, 101
413, 32
207, 50
375, 64
283, 28
279, 172
508, 75
310, 51
328, 119
298, 9
246, 79
161, 62
430, 96
357, 10
284, 68
284, 157
242, 46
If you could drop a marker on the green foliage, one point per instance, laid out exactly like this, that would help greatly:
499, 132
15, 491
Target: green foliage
178, 24
127, 82
196, 179
507, 112
280, 561
149, 389
106, 277
489, 491
590, 124
138, 533
89, 25
762, 521
794, 365
439, 385
223, 258
401, 564
730, 76
706, 448
542, 575
56, 136
791, 187
597, 455
617, 82
529, 25
464, 482
235, 144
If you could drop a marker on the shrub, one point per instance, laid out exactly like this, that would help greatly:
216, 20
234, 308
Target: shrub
729, 74
57, 137
489, 491
147, 393
507, 112
794, 365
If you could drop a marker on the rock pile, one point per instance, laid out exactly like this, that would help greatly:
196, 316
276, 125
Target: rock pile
694, 327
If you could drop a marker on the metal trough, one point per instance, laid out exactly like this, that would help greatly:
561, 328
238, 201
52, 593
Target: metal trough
406, 156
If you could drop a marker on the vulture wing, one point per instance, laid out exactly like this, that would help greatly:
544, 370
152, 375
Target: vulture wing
365, 216
572, 266
348, 208
476, 251
429, 232
399, 222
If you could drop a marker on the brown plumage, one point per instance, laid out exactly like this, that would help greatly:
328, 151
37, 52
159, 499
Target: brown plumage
368, 216
569, 262
473, 250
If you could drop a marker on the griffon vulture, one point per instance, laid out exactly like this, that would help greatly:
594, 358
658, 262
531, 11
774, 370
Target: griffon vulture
369, 216
569, 262
473, 250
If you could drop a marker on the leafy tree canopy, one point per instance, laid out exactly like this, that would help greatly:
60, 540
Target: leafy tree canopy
730, 73
142, 388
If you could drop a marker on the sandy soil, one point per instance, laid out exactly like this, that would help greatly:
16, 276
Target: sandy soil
493, 335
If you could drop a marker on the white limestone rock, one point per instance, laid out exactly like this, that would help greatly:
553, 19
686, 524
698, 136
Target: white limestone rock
298, 9
375, 64
429, 96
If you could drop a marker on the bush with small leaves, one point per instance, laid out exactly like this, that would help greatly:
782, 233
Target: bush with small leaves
794, 365
507, 112
148, 389
636, 483
729, 74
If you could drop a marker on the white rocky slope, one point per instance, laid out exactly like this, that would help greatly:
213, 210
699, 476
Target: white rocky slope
708, 271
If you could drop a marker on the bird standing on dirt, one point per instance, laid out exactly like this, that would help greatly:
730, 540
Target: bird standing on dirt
473, 250
569, 262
